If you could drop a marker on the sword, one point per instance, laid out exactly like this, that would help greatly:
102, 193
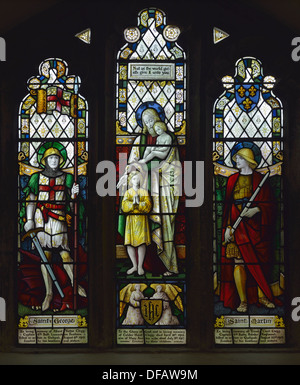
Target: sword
253, 196
32, 234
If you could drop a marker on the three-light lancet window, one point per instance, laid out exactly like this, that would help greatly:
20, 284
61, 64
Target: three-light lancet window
150, 255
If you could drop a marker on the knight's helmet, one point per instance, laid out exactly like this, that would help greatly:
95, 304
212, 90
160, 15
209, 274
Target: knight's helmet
248, 155
52, 151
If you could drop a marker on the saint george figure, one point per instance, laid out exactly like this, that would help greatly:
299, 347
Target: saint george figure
48, 194
246, 256
167, 318
136, 204
134, 315
163, 188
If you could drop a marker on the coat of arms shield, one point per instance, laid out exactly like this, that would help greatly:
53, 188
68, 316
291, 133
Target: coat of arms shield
151, 310
247, 96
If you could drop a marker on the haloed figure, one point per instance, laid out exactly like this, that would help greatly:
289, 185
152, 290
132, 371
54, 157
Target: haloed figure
246, 256
157, 150
50, 195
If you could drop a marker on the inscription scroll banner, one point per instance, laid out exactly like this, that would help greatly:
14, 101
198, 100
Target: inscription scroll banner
39, 321
42, 321
151, 336
130, 336
250, 336
237, 321
263, 321
165, 336
65, 321
151, 71
53, 336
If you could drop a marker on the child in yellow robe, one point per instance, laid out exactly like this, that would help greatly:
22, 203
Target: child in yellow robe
137, 204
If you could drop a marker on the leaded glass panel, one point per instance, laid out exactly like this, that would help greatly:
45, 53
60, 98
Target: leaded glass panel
150, 150
248, 245
52, 181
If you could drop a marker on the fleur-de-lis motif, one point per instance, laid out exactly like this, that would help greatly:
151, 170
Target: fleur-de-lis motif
252, 91
241, 91
247, 103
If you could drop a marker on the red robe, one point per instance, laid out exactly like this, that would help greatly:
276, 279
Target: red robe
31, 286
253, 237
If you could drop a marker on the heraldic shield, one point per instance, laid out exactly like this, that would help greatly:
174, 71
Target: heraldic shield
151, 310
247, 95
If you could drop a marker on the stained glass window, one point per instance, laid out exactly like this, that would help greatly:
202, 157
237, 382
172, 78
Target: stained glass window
85, 36
150, 149
52, 185
248, 248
